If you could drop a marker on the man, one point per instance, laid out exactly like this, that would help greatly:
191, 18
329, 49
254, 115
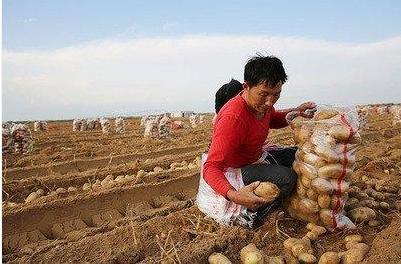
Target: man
239, 134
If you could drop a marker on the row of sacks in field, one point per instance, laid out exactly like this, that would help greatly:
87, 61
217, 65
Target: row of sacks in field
384, 109
159, 126
16, 138
98, 123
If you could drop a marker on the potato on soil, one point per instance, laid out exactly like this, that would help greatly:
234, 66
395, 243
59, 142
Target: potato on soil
356, 254
307, 258
61, 191
218, 258
267, 190
329, 257
40, 192
275, 260
250, 254
362, 214
141, 173
71, 189
32, 196
353, 238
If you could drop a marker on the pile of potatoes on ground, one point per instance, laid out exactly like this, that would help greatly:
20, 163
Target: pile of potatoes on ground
109, 181
299, 250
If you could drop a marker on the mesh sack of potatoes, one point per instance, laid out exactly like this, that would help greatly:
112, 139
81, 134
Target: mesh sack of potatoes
144, 119
40, 126
194, 120
120, 125
324, 163
151, 128
165, 127
7, 141
22, 137
105, 123
76, 125
396, 112
84, 125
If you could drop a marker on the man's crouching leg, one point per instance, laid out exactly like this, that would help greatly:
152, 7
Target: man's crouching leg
285, 178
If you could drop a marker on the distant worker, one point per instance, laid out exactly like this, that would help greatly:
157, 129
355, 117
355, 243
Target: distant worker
225, 93
238, 159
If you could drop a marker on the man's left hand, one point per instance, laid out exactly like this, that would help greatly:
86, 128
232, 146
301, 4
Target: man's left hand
307, 109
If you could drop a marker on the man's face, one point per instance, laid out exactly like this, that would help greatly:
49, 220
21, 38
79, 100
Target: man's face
263, 96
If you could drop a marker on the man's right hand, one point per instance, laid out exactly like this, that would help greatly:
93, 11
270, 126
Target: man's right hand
246, 197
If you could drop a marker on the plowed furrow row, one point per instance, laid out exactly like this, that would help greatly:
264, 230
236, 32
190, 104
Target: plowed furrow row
80, 165
38, 222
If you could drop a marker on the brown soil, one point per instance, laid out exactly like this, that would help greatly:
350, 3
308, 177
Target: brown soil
153, 218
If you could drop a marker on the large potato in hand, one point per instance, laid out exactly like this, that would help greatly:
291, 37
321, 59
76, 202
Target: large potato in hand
267, 190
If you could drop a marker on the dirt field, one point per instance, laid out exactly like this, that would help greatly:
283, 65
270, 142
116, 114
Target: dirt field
147, 214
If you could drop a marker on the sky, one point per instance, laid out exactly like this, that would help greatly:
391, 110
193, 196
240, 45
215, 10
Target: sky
64, 59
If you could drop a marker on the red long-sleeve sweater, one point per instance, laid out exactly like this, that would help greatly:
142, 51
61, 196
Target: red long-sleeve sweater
238, 137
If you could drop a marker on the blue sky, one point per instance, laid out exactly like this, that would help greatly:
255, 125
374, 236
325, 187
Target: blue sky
55, 23
73, 50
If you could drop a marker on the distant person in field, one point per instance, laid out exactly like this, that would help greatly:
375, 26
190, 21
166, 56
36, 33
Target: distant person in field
240, 131
225, 93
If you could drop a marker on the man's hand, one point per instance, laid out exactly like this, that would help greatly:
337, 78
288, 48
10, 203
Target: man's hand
307, 109
246, 197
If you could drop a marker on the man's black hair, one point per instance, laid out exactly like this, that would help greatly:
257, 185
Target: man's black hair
226, 92
264, 69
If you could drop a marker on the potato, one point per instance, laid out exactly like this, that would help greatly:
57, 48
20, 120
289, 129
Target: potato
275, 260
352, 203
86, 187
32, 196
311, 235
267, 190
334, 171
329, 141
356, 254
308, 147
341, 187
250, 254
325, 114
61, 190
327, 154
157, 169
353, 238
141, 173
362, 214
301, 190
329, 257
302, 134
41, 192
370, 203
374, 223
290, 242
307, 258
306, 181
120, 178
308, 206
71, 189
313, 160
300, 248
311, 194
324, 201
319, 230
326, 216
218, 258
340, 133
307, 171
322, 185
384, 205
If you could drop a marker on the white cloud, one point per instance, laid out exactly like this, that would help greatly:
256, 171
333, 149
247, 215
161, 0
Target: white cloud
129, 76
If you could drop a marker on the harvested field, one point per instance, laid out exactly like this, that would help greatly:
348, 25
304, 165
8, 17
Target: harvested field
120, 198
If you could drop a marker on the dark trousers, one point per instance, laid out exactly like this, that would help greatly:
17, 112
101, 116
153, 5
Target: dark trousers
279, 172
